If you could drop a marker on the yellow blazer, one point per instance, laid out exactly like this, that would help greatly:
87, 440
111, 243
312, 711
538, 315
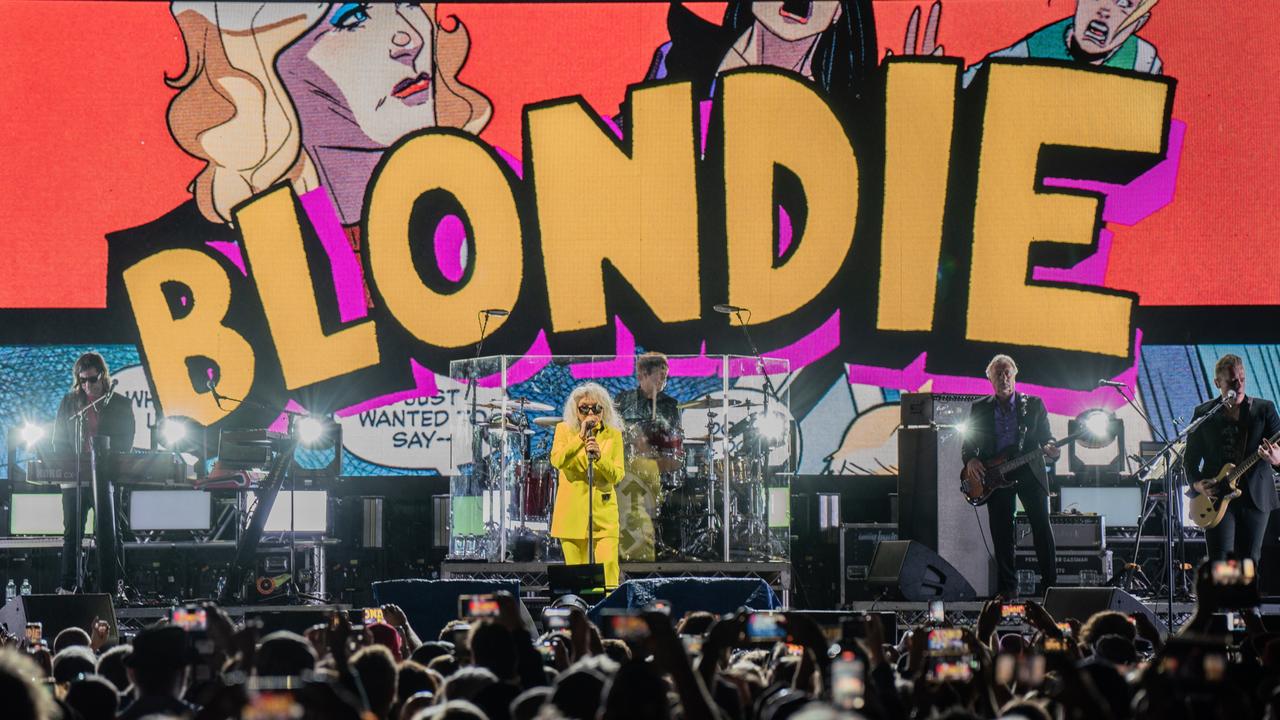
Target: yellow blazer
569, 517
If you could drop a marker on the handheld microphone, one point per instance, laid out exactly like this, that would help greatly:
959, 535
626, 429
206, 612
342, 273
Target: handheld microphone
1111, 383
728, 309
495, 312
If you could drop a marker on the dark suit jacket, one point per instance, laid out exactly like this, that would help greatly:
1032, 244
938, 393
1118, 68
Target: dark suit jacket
1204, 451
115, 421
1033, 430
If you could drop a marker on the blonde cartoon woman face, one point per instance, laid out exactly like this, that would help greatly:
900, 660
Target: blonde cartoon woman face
367, 65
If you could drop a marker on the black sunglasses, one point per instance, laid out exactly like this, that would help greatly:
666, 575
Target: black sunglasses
595, 409
90, 380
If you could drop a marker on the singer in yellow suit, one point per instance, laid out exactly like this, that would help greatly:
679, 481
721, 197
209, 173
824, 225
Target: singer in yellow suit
589, 430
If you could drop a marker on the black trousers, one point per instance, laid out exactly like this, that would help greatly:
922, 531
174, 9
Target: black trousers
1000, 509
1240, 533
108, 561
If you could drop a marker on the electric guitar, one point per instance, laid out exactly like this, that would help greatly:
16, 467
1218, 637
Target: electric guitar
978, 492
1209, 507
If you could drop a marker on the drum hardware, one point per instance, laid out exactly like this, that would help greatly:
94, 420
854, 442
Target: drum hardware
711, 402
517, 403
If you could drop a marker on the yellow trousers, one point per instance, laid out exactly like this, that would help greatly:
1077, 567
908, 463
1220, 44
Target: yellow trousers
575, 553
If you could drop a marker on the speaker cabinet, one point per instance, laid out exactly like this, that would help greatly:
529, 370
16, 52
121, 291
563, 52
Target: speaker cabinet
907, 570
1081, 603
931, 509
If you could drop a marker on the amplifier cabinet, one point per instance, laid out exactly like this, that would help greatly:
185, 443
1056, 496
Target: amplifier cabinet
857, 546
1070, 532
1076, 568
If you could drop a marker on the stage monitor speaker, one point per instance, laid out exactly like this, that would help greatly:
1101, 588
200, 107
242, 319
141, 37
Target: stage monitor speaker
57, 613
907, 570
1082, 603
431, 604
687, 594
931, 508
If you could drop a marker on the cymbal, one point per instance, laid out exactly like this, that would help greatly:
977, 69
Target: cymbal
548, 421
709, 402
701, 439
517, 403
509, 428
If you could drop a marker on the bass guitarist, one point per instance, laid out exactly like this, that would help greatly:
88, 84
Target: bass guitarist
1230, 436
1005, 424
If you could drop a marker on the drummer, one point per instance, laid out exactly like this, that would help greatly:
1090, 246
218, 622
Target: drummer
647, 402
652, 421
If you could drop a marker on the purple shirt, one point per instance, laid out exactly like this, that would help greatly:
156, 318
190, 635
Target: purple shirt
1006, 417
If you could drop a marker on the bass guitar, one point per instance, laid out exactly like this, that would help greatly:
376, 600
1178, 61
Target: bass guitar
1208, 508
978, 492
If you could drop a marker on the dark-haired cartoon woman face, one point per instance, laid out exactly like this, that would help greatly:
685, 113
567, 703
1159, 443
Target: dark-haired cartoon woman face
798, 25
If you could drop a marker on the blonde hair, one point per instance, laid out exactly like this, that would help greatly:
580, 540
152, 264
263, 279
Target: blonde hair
233, 112
570, 416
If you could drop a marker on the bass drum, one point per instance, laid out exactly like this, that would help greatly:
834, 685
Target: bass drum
535, 491
687, 527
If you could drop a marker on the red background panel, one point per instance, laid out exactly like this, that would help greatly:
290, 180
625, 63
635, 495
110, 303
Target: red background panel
85, 148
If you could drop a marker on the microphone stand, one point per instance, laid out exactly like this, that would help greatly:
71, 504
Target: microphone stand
78, 530
761, 448
1172, 504
1170, 483
473, 394
591, 524
247, 543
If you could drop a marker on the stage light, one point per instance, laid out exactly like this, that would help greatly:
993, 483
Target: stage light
1099, 445
173, 431
962, 428
31, 434
1097, 426
310, 431
772, 427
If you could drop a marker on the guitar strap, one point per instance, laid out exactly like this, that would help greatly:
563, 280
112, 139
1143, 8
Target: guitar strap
1037, 468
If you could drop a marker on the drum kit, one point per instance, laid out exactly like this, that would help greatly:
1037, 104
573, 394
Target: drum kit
722, 473
515, 485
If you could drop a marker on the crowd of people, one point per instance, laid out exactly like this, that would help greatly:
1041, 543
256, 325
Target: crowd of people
649, 665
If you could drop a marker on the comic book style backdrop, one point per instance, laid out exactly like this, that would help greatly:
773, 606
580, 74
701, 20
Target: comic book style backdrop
309, 204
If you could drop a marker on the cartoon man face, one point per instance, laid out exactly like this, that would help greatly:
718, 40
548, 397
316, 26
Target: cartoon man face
796, 20
1101, 26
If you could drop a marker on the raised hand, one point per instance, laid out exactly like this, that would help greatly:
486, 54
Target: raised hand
929, 45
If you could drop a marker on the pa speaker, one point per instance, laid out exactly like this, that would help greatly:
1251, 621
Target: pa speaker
907, 570
57, 613
1082, 603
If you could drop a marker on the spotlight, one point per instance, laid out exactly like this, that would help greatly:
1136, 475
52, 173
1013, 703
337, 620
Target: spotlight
31, 434
310, 431
1099, 447
962, 427
172, 432
772, 427
1097, 426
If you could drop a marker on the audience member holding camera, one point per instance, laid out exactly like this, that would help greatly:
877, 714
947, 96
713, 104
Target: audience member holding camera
492, 663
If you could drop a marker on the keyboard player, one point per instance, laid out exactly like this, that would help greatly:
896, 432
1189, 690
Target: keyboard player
107, 428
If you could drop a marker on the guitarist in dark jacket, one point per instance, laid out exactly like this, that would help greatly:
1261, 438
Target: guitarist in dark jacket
1240, 429
1008, 424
